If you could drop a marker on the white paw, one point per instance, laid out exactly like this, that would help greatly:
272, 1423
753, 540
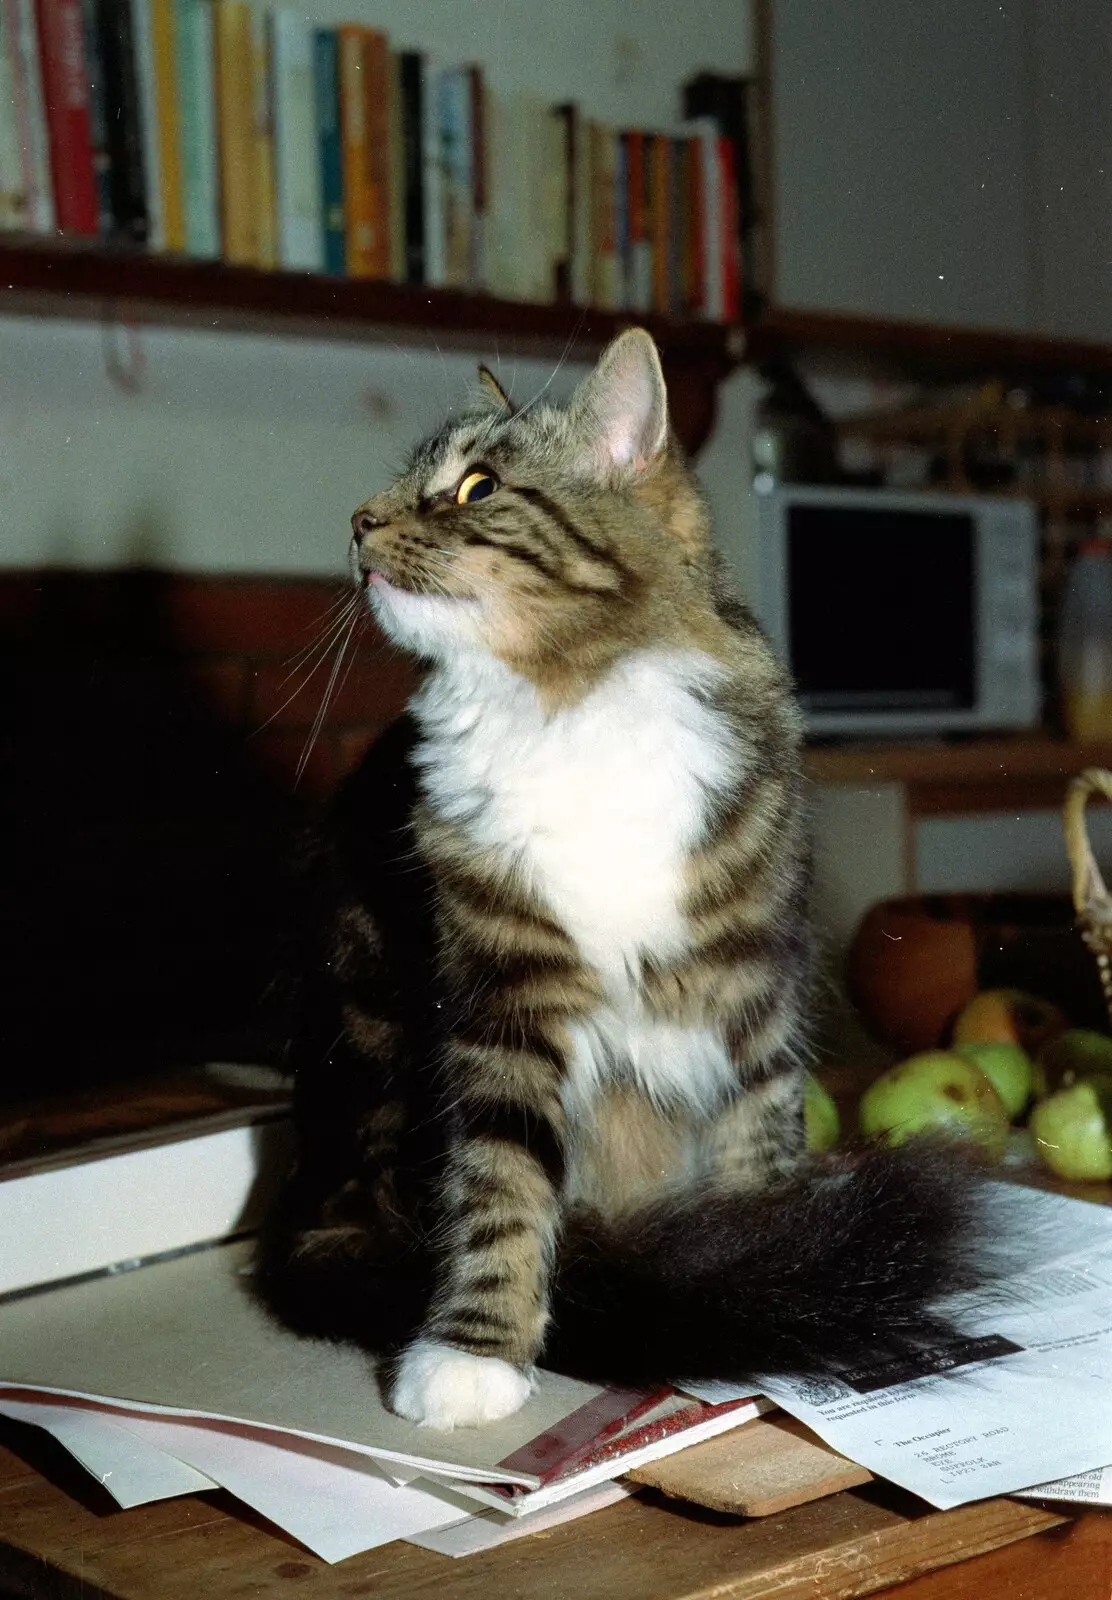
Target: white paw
444, 1388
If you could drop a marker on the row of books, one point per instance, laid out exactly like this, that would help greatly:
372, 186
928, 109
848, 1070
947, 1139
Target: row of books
204, 128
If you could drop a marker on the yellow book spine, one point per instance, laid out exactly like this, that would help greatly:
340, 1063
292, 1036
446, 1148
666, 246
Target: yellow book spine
169, 178
235, 111
266, 211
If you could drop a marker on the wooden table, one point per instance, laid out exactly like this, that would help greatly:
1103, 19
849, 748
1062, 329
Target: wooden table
60, 1538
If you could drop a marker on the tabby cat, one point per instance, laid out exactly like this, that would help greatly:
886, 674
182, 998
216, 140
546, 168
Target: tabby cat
550, 1083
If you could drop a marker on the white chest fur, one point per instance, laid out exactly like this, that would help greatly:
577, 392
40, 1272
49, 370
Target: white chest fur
598, 804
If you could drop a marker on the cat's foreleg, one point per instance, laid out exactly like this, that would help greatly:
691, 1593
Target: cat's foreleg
757, 1137
473, 1360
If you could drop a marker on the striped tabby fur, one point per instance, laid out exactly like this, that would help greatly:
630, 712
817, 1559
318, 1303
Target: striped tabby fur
565, 953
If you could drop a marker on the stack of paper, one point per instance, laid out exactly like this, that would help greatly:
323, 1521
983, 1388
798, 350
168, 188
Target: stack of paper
169, 1379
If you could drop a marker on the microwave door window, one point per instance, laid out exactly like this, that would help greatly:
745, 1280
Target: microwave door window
882, 609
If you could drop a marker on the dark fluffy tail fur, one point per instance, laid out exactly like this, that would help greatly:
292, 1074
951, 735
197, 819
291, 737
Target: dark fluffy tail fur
834, 1269
837, 1268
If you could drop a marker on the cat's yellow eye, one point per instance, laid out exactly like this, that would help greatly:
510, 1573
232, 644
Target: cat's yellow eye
475, 486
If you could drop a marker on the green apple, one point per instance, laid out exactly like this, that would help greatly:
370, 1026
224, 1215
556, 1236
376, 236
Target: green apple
1071, 1133
1008, 1068
937, 1092
1077, 1053
820, 1115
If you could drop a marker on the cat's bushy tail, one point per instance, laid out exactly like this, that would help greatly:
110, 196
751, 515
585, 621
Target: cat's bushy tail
834, 1269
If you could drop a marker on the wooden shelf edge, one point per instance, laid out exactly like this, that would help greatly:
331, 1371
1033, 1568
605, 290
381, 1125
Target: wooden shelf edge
64, 277
922, 346
983, 762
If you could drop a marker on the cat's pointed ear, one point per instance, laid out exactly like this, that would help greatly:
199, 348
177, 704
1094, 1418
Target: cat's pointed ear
493, 390
622, 406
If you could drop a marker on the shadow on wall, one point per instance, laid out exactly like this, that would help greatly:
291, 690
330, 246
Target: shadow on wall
148, 817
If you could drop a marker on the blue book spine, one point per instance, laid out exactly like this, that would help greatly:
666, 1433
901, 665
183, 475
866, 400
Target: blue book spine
98, 118
197, 105
326, 72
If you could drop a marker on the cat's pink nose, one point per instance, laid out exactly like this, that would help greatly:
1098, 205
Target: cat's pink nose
363, 525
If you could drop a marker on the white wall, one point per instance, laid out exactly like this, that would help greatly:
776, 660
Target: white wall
1003, 850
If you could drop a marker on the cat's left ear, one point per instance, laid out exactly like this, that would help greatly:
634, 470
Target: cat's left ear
622, 407
493, 391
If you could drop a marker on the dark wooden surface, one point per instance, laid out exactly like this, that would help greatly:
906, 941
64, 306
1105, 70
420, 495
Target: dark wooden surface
1022, 772
59, 1539
114, 1118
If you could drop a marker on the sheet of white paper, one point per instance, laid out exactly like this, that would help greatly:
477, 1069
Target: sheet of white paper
334, 1501
1085, 1488
395, 1472
490, 1528
1023, 1398
133, 1470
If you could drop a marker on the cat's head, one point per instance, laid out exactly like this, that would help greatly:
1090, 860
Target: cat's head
551, 537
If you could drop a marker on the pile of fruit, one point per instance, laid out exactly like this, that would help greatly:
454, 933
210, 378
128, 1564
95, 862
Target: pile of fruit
1013, 1060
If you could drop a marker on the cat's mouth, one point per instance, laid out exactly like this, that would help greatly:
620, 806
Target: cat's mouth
434, 625
375, 579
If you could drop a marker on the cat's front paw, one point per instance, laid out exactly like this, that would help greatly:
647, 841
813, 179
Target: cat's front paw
440, 1387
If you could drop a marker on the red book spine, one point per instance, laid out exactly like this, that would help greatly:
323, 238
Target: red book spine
69, 132
731, 252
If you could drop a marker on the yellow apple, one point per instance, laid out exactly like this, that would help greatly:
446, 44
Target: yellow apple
1008, 1016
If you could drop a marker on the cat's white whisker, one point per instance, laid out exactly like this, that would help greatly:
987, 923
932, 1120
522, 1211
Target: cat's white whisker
322, 650
322, 712
323, 642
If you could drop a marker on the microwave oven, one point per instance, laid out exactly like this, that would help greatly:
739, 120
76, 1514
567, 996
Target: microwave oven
902, 613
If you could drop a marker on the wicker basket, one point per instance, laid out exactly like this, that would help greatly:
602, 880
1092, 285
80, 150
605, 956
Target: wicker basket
1091, 899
